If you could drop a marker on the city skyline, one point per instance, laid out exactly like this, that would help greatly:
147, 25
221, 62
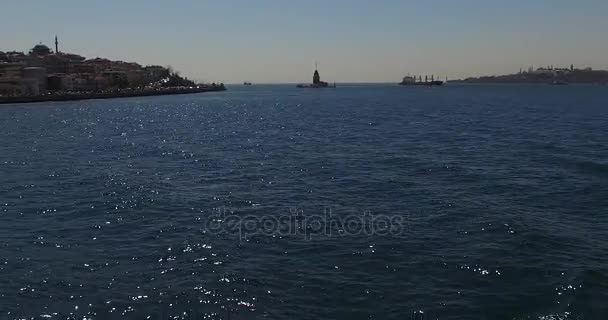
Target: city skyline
353, 41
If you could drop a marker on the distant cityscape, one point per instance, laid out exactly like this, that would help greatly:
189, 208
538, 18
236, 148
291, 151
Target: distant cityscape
548, 74
44, 71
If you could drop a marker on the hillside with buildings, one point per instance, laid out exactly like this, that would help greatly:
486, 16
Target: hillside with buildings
549, 74
43, 71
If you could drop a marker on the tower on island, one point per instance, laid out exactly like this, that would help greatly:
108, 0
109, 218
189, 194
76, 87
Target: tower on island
316, 78
56, 45
316, 81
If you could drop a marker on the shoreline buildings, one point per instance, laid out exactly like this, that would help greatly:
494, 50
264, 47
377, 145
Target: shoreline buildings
547, 75
42, 71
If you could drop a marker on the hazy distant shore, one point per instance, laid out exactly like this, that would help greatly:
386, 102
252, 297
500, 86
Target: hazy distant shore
544, 76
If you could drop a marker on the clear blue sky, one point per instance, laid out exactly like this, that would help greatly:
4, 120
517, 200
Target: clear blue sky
353, 40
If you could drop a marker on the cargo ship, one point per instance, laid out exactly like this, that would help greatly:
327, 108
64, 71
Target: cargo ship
417, 81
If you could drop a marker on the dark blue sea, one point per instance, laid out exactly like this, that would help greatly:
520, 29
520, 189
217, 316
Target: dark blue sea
271, 202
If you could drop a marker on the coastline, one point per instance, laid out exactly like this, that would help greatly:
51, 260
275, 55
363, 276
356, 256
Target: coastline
531, 83
110, 95
548, 75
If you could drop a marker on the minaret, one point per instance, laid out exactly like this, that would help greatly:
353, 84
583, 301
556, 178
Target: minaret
56, 45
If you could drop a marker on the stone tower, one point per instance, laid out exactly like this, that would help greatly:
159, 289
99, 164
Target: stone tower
316, 78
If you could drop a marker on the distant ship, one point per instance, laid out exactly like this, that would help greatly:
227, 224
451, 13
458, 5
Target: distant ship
413, 81
246, 83
316, 82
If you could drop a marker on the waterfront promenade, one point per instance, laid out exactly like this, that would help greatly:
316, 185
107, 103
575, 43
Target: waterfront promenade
122, 93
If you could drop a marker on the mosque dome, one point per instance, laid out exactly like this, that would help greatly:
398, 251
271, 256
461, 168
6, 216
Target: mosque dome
40, 50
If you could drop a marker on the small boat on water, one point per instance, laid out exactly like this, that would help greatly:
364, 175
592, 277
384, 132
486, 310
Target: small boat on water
246, 83
316, 82
417, 81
